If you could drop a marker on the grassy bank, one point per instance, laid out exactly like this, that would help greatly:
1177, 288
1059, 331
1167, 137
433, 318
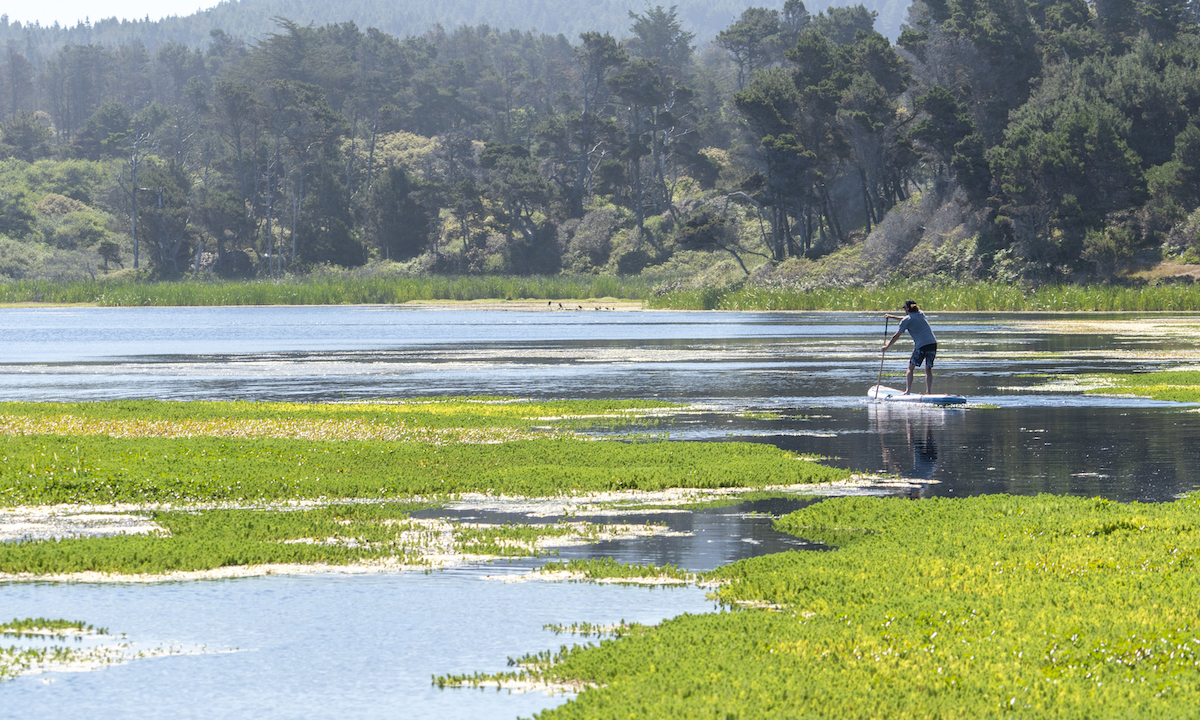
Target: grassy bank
977, 296
319, 290
985, 607
348, 289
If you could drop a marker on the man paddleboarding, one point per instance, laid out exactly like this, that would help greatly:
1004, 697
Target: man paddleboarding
924, 344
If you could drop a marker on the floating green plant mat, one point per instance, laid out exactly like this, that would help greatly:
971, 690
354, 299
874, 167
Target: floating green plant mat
149, 451
15, 659
46, 469
477, 419
609, 569
198, 541
19, 627
192, 541
1171, 385
1046, 607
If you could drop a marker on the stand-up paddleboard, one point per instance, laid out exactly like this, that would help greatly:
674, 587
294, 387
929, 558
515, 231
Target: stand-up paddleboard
882, 393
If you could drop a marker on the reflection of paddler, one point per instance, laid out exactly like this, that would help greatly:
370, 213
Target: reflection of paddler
925, 452
889, 419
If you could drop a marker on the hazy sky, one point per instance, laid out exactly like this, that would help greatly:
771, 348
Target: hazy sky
69, 12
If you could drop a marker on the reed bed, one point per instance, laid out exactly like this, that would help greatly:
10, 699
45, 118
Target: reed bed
976, 296
350, 290
319, 290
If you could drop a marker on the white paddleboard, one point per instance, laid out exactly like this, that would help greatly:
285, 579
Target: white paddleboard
882, 393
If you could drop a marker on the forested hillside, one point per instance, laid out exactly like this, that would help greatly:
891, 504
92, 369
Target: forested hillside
251, 19
997, 139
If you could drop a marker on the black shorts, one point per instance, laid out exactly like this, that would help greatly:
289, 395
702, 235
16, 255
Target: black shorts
923, 353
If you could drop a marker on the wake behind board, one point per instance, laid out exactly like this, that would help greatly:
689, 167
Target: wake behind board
882, 393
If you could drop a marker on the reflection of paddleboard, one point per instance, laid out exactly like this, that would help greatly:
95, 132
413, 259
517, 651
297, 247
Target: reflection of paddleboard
881, 393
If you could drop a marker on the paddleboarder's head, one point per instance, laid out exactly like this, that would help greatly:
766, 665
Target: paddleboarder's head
910, 306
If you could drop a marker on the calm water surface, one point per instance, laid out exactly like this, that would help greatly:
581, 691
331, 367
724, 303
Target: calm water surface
329, 646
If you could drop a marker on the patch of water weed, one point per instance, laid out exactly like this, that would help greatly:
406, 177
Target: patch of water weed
1046, 606
16, 660
415, 419
514, 540
1168, 385
192, 541
48, 469
608, 569
587, 629
529, 674
198, 541
18, 627
709, 502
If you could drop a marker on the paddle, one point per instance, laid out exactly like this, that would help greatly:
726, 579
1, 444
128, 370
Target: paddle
882, 355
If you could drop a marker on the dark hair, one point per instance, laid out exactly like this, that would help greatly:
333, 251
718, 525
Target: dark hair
911, 306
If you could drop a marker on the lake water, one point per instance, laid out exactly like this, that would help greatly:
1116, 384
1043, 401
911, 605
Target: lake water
329, 646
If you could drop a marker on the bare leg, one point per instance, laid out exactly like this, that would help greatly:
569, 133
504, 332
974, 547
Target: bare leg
929, 376
908, 379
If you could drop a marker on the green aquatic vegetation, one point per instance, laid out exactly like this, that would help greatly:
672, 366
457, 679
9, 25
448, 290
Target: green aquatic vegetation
1047, 607
529, 669
197, 541
1168, 385
587, 629
18, 627
513, 540
606, 569
455, 419
15, 660
46, 469
722, 501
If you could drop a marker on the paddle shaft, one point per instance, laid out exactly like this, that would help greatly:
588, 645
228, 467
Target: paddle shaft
882, 355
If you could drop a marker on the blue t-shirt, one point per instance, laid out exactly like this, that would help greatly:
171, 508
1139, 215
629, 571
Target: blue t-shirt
918, 328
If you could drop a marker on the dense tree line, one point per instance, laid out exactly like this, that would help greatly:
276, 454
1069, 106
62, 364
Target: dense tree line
254, 18
997, 137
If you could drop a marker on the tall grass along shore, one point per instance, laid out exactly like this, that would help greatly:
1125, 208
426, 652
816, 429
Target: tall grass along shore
333, 289
975, 296
318, 290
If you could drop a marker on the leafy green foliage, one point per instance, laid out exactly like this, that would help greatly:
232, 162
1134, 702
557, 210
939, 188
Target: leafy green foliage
334, 534
90, 469
1019, 127
149, 451
607, 568
980, 607
27, 626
